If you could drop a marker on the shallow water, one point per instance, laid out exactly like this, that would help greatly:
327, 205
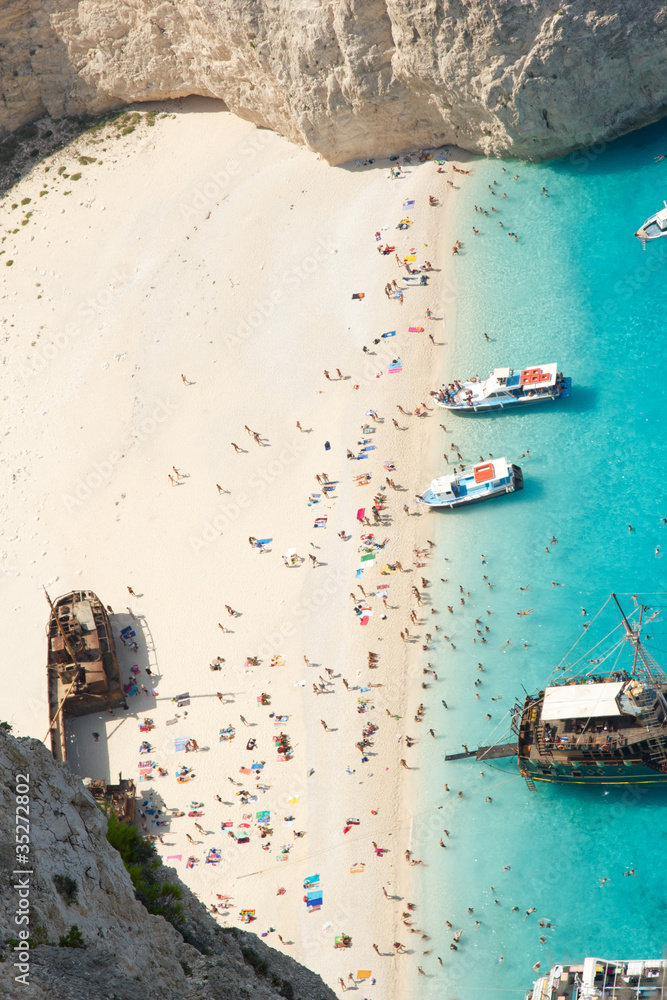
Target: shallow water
578, 289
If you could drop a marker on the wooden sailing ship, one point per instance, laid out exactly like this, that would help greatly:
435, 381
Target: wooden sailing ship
600, 726
82, 667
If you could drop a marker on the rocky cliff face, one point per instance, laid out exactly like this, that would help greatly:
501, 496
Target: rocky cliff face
529, 78
129, 954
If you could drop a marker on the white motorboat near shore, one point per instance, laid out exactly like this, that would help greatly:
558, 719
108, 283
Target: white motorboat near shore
484, 481
505, 389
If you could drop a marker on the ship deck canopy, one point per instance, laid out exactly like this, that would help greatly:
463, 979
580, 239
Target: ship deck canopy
581, 701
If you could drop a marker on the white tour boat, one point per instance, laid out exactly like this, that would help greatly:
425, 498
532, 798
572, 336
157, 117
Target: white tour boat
599, 978
505, 389
482, 482
655, 227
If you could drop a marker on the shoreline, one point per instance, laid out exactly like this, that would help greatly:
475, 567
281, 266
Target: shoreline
160, 541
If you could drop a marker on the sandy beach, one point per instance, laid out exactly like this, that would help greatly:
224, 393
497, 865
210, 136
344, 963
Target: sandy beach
186, 294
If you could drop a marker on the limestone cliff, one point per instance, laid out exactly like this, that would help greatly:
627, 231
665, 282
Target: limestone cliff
348, 78
128, 954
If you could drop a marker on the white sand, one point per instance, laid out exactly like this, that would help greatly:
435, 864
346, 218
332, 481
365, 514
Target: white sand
203, 246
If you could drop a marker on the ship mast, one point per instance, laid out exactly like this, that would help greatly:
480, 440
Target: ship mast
633, 635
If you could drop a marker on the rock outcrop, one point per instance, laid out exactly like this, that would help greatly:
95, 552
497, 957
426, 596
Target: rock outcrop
529, 78
129, 954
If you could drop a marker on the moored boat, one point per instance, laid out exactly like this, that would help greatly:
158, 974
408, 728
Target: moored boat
505, 389
600, 978
82, 667
655, 226
600, 726
483, 482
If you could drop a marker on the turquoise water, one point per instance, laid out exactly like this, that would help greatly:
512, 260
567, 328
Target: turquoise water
578, 289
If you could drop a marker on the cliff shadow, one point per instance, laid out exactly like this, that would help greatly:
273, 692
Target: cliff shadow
636, 149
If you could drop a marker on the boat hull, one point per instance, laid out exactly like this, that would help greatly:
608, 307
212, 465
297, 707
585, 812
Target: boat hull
592, 774
509, 404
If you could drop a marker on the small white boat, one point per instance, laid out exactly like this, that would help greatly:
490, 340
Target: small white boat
655, 227
505, 389
484, 481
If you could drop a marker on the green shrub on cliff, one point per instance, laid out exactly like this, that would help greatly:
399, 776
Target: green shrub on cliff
142, 861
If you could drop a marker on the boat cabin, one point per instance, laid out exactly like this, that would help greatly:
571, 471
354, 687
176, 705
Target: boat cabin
504, 381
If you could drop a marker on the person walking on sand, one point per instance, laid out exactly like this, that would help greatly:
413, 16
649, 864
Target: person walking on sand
219, 489
231, 612
324, 726
327, 376
244, 720
131, 592
339, 373
171, 480
185, 381
236, 448
222, 627
298, 426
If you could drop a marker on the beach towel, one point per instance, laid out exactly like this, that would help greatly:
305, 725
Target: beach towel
390, 333
245, 770
171, 722
410, 259
256, 767
174, 857
357, 869
362, 454
415, 329
320, 522
410, 203
264, 541
263, 817
227, 823
394, 369
311, 881
293, 801
364, 974
368, 556
179, 744
359, 295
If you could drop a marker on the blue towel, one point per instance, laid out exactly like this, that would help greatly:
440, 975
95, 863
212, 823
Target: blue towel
392, 333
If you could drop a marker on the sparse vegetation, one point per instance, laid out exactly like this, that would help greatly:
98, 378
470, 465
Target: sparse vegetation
67, 888
142, 862
73, 938
38, 936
